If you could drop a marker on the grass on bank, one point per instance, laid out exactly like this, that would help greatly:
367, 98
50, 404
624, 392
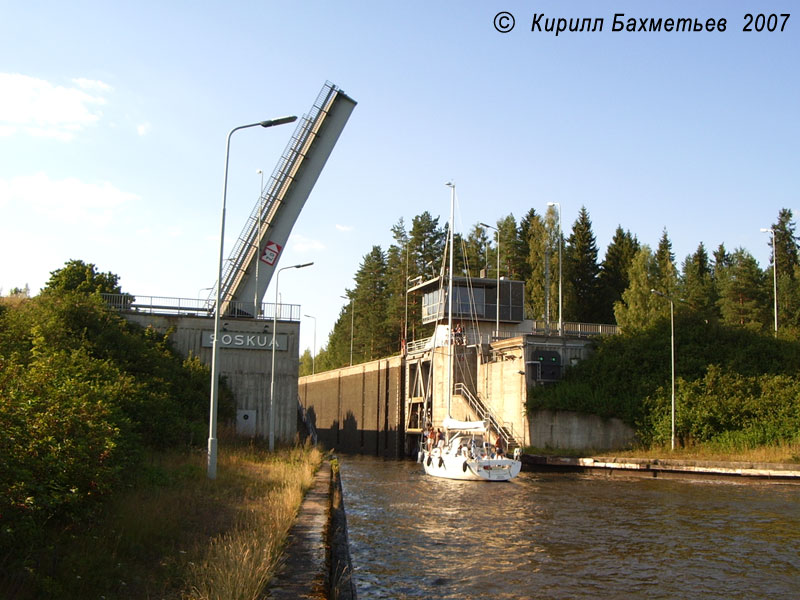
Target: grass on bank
175, 534
783, 452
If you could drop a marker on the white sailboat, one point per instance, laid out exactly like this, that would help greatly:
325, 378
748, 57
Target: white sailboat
464, 453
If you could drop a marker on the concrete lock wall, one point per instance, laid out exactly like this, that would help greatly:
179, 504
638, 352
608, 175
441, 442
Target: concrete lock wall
578, 431
358, 409
245, 360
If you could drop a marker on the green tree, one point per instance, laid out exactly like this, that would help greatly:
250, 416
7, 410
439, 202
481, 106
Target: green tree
639, 307
742, 298
541, 287
786, 254
523, 250
477, 251
613, 275
83, 277
427, 244
582, 271
510, 261
306, 363
398, 266
666, 273
371, 336
698, 288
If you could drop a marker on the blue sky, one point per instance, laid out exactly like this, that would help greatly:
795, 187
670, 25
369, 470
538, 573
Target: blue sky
113, 119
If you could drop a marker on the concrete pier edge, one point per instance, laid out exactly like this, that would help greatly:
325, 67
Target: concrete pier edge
316, 562
666, 468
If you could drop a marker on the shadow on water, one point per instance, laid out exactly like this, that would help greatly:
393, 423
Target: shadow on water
567, 536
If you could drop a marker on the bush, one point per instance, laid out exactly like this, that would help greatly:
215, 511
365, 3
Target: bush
66, 442
729, 380
81, 392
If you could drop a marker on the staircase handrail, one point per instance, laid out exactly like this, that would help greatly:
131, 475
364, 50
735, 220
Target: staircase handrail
504, 430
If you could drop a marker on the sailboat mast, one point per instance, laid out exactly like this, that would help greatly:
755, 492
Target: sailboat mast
450, 346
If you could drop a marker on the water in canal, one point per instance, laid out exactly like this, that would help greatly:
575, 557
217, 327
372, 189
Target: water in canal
567, 536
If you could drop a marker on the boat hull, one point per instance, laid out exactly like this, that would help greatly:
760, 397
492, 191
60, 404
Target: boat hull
449, 466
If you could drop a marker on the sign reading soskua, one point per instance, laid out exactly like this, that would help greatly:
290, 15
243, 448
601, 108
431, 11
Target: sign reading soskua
247, 341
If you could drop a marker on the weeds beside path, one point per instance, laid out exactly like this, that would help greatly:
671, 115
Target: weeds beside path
175, 534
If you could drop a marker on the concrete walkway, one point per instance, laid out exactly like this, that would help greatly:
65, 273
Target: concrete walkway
304, 573
667, 468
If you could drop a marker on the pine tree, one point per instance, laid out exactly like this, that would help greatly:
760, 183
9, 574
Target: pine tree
787, 269
477, 250
509, 260
535, 291
614, 271
306, 363
666, 273
581, 270
743, 301
427, 244
698, 287
372, 340
398, 265
336, 352
541, 287
523, 244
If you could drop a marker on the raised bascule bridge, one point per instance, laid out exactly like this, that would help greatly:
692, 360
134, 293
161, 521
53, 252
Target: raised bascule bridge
246, 336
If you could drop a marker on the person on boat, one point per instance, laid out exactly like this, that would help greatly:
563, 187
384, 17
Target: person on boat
439, 439
459, 335
498, 448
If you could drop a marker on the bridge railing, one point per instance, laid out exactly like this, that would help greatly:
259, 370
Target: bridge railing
165, 305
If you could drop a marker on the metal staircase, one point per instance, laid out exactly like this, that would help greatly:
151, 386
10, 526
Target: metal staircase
504, 430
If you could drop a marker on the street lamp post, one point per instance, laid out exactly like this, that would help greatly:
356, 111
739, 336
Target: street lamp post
314, 349
560, 279
212, 425
672, 358
497, 307
258, 241
774, 276
352, 317
272, 370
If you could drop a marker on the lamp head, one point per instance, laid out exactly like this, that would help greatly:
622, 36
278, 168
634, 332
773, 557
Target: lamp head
278, 121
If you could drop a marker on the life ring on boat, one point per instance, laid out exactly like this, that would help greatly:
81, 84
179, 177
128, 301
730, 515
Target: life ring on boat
429, 461
441, 462
464, 467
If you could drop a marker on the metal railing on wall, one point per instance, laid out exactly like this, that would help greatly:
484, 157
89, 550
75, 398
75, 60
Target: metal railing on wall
580, 330
164, 305
570, 329
503, 429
